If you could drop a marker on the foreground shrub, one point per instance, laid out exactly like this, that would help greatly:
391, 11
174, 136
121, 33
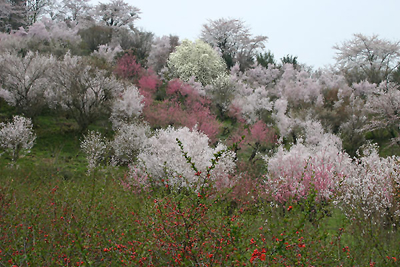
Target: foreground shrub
95, 146
128, 141
371, 188
17, 137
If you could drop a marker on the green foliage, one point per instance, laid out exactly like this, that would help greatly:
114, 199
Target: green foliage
289, 59
94, 221
266, 58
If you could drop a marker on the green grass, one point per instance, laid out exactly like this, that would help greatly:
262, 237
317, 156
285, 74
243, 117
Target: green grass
94, 220
52, 213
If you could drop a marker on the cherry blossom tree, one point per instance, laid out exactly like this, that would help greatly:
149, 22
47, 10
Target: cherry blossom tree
74, 10
107, 52
299, 87
368, 58
45, 36
196, 59
384, 105
37, 8
234, 41
17, 137
24, 80
371, 187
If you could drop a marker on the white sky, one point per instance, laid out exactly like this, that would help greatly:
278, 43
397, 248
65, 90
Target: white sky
304, 28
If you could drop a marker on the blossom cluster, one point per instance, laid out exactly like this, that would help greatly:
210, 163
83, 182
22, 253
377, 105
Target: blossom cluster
17, 137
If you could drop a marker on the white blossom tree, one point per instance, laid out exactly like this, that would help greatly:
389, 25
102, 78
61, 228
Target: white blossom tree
196, 59
163, 158
108, 53
129, 141
12, 15
253, 90
126, 108
371, 187
368, 58
117, 13
35, 9
384, 106
95, 146
73, 10
85, 92
23, 81
17, 137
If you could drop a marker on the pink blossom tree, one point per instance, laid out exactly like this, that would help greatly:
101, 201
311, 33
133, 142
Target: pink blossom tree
183, 106
316, 162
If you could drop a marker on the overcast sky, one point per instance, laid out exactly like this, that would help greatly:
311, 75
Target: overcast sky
304, 28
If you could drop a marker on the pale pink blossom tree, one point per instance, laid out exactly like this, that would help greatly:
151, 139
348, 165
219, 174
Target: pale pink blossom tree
161, 48
233, 40
368, 58
317, 161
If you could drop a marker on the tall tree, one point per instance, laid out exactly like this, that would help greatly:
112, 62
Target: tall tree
234, 40
74, 10
117, 13
368, 58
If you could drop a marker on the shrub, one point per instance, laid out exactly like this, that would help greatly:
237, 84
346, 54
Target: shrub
95, 146
17, 137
